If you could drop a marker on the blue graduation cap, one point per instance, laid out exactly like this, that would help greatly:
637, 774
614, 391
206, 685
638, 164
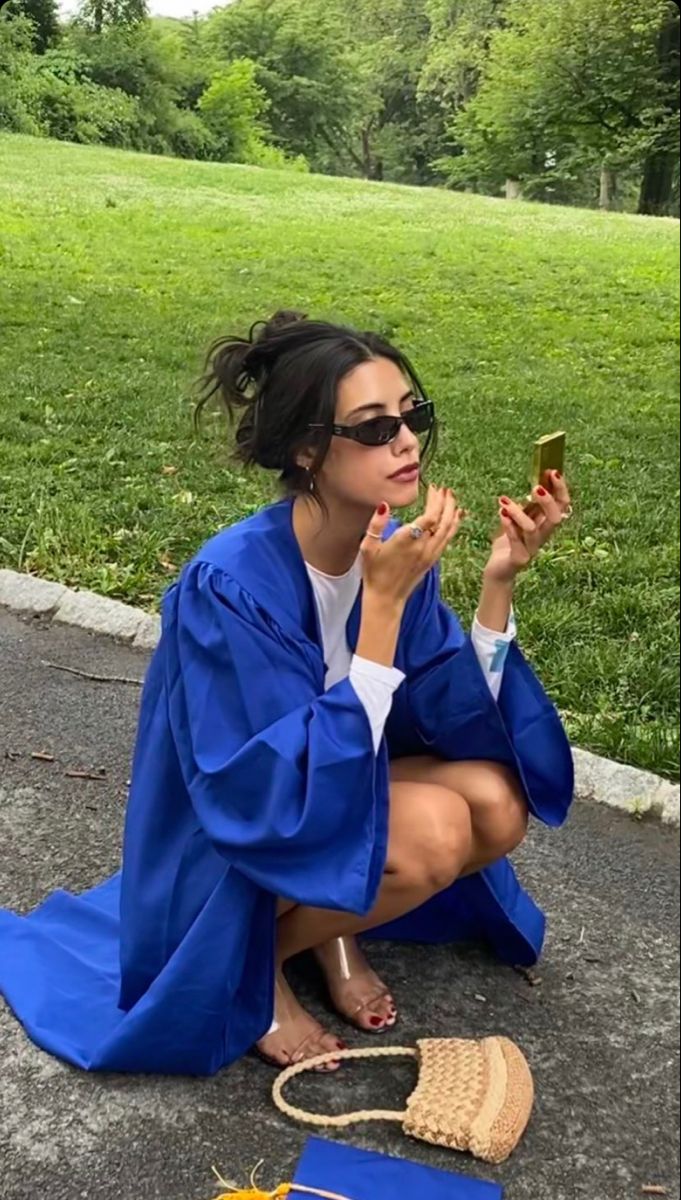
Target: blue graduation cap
362, 1175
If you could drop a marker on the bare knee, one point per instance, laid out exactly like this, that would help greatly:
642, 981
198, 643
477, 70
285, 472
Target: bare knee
513, 820
430, 851
499, 813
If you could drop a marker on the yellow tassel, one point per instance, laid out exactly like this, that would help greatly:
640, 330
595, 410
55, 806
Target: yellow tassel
250, 1194
284, 1189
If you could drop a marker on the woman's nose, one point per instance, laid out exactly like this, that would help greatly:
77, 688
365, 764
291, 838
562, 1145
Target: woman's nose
405, 440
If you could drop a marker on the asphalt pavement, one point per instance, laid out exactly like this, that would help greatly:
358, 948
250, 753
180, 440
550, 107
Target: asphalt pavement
600, 1027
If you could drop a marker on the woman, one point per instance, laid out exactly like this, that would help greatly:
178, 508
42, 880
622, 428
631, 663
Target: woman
321, 750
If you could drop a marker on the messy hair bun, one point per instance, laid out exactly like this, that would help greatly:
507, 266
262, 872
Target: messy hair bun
285, 377
237, 371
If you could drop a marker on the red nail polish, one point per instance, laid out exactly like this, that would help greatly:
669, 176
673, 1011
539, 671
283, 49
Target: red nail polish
376, 1022
505, 512
558, 475
382, 509
504, 500
542, 491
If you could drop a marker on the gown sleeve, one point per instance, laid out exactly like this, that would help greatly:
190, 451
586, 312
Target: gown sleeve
282, 776
491, 648
375, 685
456, 716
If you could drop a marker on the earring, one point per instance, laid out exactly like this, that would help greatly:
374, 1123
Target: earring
310, 479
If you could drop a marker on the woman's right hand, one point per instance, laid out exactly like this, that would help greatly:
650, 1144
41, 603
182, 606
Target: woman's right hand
392, 569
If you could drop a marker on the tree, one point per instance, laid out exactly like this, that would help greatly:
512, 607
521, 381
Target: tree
341, 75
460, 32
141, 62
97, 14
301, 67
44, 15
234, 106
569, 87
16, 38
386, 45
661, 160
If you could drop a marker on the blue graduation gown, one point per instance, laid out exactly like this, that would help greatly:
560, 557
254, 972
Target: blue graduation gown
363, 1175
250, 782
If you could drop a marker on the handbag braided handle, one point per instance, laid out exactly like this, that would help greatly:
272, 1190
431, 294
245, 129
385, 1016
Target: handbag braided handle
323, 1060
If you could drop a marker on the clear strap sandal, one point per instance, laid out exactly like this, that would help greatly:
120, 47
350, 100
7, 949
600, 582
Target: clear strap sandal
343, 963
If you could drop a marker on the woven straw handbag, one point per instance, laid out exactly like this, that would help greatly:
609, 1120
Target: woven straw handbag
472, 1096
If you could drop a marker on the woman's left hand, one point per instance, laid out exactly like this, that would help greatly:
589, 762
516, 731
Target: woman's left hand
522, 535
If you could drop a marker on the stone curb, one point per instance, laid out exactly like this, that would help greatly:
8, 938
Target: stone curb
87, 610
599, 780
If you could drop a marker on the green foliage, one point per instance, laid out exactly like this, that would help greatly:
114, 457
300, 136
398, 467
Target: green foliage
44, 16
576, 100
566, 86
98, 14
147, 66
301, 68
66, 104
16, 41
341, 76
460, 33
234, 106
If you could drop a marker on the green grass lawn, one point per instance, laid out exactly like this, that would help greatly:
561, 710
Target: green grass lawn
117, 269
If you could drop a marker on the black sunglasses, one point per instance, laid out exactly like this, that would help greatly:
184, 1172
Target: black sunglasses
379, 431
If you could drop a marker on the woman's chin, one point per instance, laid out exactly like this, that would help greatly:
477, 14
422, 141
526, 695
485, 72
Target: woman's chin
401, 495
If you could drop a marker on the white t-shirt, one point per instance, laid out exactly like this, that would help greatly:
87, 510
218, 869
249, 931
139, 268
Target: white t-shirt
373, 682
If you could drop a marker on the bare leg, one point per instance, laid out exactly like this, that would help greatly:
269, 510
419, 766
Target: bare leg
493, 793
430, 844
425, 855
499, 817
294, 1035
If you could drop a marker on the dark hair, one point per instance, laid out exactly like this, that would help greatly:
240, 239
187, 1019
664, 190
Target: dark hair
286, 376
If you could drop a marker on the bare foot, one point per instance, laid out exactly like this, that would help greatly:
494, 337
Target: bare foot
295, 1035
356, 990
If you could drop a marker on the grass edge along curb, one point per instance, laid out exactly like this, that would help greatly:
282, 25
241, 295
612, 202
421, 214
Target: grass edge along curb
598, 780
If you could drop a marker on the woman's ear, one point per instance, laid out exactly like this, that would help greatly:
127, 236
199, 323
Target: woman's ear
304, 459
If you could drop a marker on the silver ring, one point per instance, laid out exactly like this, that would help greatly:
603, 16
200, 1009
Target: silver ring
416, 531
378, 536
568, 513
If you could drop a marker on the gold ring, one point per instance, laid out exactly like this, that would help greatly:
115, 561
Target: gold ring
568, 513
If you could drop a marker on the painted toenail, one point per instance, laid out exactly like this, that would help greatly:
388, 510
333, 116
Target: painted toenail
376, 1022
